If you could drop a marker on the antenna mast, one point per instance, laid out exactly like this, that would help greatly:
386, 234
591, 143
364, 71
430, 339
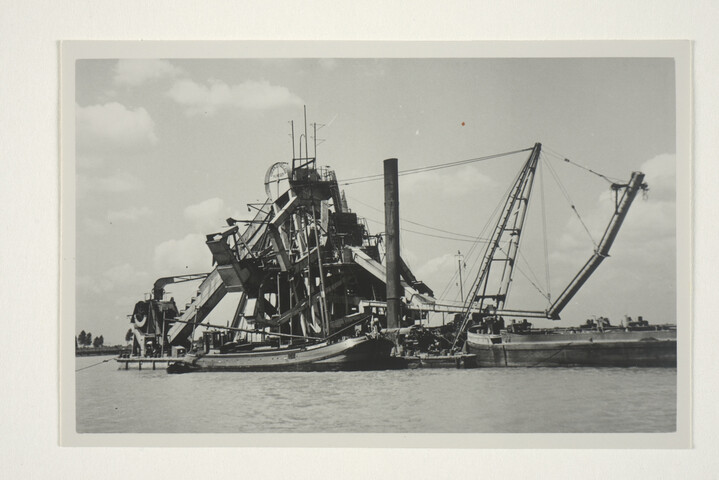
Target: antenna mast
307, 152
292, 126
459, 269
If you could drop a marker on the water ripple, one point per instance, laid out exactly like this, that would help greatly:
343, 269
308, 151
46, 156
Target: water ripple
537, 400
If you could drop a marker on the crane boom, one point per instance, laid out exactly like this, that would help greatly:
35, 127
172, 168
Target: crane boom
620, 212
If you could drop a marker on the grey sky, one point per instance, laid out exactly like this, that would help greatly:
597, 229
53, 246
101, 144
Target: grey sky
168, 149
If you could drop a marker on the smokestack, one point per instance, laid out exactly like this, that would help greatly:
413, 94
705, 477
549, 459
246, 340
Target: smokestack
391, 227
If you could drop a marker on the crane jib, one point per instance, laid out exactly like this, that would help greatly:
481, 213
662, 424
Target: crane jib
515, 208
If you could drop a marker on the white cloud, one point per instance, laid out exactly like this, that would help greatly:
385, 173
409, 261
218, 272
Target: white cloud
209, 215
453, 183
117, 277
128, 215
640, 274
249, 95
113, 126
137, 72
187, 255
441, 275
118, 182
124, 274
199, 212
437, 267
649, 220
661, 177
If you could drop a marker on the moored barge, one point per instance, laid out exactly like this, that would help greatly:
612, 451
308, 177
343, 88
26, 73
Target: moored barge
574, 348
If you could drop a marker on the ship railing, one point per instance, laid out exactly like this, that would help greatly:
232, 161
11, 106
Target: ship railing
327, 174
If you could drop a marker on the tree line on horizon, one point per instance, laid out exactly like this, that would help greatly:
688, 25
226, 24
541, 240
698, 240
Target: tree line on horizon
86, 339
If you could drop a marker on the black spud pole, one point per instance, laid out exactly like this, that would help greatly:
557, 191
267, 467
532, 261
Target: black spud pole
391, 222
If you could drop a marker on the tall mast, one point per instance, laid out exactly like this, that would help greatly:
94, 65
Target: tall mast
510, 222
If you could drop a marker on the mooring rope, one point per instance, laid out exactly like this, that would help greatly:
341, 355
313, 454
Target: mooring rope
95, 364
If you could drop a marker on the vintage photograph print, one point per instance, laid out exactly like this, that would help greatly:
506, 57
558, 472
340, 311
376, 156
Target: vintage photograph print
376, 239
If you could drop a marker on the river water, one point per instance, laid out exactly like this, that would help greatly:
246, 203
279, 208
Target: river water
492, 400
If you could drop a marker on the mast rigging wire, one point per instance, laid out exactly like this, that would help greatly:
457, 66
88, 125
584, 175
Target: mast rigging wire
472, 237
469, 240
541, 292
571, 203
544, 232
473, 252
429, 168
475, 240
563, 158
478, 240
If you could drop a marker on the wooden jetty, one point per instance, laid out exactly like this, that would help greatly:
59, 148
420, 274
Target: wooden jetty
150, 363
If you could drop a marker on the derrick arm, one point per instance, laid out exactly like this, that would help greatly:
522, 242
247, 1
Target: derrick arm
602, 251
510, 222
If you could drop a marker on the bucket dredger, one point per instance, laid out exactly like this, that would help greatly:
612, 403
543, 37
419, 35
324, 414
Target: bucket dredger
305, 266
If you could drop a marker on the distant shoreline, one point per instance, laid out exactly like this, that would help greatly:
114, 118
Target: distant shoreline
90, 351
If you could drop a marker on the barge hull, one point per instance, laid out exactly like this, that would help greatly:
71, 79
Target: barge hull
352, 354
648, 348
659, 353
